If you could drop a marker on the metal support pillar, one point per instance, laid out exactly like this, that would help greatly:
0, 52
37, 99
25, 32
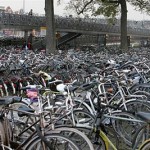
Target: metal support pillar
26, 35
30, 39
128, 40
102, 39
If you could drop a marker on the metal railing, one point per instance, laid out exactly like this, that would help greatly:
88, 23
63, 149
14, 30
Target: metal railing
79, 24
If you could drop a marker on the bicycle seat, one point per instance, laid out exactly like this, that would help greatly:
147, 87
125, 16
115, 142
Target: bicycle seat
87, 86
70, 88
9, 100
38, 87
145, 116
15, 79
27, 78
26, 109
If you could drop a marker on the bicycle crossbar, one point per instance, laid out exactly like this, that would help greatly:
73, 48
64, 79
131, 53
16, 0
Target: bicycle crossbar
123, 118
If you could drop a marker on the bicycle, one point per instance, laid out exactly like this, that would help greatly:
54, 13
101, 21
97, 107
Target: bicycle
37, 137
142, 138
50, 126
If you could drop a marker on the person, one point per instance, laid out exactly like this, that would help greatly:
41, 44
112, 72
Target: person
29, 46
24, 45
8, 10
31, 12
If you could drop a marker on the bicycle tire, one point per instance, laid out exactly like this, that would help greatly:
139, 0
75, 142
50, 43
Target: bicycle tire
35, 143
144, 93
6, 134
140, 136
85, 118
72, 119
124, 128
2, 131
77, 136
100, 145
145, 145
83, 105
136, 105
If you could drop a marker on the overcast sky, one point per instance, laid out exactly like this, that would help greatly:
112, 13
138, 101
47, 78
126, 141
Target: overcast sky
38, 7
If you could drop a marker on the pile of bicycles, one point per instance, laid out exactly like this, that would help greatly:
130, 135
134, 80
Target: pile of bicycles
74, 100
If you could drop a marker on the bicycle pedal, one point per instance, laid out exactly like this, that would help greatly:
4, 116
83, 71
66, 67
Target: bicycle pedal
14, 145
49, 108
59, 104
96, 142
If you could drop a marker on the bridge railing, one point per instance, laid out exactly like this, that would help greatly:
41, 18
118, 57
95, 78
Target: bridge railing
21, 20
91, 25
84, 24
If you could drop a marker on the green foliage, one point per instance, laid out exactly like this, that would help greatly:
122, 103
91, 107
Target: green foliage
82, 6
110, 9
142, 5
107, 9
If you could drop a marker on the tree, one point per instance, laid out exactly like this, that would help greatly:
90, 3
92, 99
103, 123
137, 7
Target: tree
110, 8
50, 27
124, 42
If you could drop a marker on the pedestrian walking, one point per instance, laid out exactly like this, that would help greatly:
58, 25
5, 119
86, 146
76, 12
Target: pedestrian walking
31, 12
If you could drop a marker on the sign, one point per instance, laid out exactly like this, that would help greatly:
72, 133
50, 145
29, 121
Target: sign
43, 31
102, 40
57, 35
7, 32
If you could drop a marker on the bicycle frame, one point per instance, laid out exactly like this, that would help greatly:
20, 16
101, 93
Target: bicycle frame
40, 115
6, 131
120, 91
106, 140
145, 142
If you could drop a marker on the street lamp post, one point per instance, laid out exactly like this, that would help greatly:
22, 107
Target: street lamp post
23, 6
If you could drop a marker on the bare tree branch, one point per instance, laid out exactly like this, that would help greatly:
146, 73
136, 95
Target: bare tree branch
82, 10
114, 1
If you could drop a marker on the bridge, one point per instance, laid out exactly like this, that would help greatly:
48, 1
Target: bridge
74, 26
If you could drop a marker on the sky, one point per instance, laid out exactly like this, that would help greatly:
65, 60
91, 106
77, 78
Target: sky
38, 7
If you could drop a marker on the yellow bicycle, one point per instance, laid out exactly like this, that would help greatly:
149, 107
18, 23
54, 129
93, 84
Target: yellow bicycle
145, 145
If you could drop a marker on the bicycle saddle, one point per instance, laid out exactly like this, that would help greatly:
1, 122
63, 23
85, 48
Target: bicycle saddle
145, 116
26, 109
9, 100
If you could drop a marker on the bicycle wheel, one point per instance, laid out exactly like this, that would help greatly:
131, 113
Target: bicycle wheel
140, 136
136, 105
124, 128
144, 94
99, 144
76, 136
77, 118
58, 142
145, 145
81, 118
83, 105
2, 131
6, 134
